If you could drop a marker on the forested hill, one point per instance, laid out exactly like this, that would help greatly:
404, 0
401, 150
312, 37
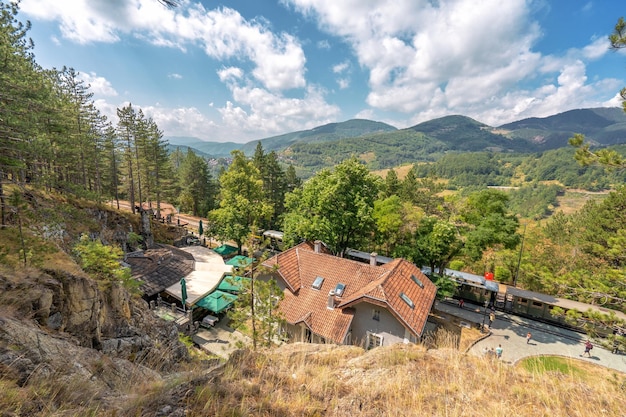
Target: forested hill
325, 133
383, 146
462, 133
601, 126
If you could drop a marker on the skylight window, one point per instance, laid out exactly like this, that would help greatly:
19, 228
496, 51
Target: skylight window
317, 284
407, 300
339, 289
417, 281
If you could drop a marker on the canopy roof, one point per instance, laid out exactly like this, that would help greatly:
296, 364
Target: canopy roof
209, 271
225, 250
217, 301
232, 283
240, 261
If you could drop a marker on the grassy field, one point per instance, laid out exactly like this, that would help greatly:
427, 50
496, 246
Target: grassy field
573, 200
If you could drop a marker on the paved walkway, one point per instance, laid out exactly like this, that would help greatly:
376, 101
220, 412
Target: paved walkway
221, 340
510, 332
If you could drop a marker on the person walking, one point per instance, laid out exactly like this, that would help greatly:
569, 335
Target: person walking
528, 337
588, 347
499, 351
492, 318
461, 303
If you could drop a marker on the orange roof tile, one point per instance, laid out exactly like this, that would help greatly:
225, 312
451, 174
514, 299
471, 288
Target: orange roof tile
377, 284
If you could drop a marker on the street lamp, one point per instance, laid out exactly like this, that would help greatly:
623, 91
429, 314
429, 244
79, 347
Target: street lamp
482, 329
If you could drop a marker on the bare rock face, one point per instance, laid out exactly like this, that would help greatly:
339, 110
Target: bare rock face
53, 321
41, 353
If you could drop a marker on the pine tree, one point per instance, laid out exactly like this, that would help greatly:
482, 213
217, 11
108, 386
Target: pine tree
125, 127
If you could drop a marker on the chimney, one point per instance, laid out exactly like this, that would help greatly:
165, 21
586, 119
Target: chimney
373, 256
331, 300
318, 246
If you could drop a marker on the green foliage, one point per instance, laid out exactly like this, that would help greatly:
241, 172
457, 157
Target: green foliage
545, 364
243, 205
196, 187
489, 223
446, 287
482, 169
275, 184
377, 150
535, 201
334, 206
436, 243
102, 262
257, 307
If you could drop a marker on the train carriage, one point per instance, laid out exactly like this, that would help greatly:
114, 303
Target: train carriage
539, 306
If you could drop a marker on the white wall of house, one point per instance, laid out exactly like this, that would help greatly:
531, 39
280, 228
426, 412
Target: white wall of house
373, 324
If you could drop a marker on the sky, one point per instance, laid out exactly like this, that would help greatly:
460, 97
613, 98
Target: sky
236, 71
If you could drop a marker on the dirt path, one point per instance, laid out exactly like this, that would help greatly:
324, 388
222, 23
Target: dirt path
190, 222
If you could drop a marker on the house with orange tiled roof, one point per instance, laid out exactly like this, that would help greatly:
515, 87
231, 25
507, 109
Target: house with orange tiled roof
329, 299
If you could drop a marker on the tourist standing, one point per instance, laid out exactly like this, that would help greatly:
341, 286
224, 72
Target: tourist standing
499, 351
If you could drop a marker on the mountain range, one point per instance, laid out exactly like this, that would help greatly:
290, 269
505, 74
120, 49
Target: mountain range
383, 145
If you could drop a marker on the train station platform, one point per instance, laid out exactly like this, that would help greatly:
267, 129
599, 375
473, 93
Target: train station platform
510, 331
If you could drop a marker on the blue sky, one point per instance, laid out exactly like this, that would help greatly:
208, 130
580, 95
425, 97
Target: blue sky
248, 69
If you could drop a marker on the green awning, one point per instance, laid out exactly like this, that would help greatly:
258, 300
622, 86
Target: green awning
232, 283
240, 261
225, 250
217, 301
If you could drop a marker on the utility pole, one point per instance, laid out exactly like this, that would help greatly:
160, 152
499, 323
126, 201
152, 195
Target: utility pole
519, 259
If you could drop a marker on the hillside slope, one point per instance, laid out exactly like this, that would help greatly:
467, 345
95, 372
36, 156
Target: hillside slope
602, 126
68, 342
402, 380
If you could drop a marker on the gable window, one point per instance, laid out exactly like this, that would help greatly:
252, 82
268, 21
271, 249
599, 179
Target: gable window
317, 284
417, 281
376, 314
373, 340
407, 300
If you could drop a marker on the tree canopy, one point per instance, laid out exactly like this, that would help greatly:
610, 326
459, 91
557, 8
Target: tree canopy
333, 206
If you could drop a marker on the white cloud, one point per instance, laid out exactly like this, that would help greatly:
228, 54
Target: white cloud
339, 68
175, 76
428, 59
230, 74
323, 44
262, 113
423, 59
278, 59
597, 49
98, 85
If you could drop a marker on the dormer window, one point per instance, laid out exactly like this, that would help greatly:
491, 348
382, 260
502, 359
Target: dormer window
417, 281
317, 284
407, 300
339, 289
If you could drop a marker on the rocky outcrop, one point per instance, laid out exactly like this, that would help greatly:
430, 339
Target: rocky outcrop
55, 320
30, 354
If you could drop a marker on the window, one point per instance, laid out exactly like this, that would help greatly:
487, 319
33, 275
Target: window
407, 300
317, 284
376, 315
339, 289
373, 340
523, 301
537, 304
417, 281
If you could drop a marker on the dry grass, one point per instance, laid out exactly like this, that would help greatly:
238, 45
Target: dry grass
574, 200
326, 380
403, 380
